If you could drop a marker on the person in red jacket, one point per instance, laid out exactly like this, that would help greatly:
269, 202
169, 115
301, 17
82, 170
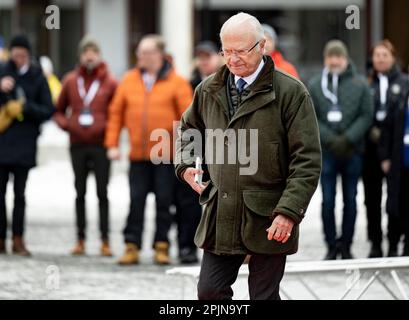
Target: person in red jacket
271, 50
82, 110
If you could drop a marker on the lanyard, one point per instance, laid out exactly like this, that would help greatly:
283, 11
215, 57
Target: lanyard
332, 96
383, 88
90, 95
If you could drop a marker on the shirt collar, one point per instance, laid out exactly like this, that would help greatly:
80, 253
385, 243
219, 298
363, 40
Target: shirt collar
251, 78
23, 70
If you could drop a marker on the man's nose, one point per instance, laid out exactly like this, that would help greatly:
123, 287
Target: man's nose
234, 58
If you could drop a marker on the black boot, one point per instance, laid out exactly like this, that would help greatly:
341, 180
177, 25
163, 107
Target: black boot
3, 246
376, 251
346, 251
332, 253
188, 255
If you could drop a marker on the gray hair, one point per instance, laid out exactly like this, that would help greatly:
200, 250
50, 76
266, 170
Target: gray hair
157, 39
242, 18
269, 31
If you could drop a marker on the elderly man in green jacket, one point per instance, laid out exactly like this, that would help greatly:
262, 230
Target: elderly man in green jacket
344, 108
256, 129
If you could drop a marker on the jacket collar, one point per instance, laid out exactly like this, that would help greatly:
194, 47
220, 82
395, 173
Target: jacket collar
100, 72
264, 80
164, 71
263, 87
393, 72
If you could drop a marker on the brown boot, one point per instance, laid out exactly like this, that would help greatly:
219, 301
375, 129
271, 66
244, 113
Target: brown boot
19, 247
131, 255
3, 247
105, 249
162, 253
79, 249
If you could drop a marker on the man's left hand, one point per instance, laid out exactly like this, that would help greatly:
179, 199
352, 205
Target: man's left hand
280, 229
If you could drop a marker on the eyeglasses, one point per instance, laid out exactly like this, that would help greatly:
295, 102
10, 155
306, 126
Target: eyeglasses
238, 53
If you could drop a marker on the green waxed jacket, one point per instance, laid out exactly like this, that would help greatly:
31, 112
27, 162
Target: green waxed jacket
356, 103
240, 207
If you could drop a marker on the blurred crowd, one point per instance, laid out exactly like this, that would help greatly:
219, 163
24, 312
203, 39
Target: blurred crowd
363, 122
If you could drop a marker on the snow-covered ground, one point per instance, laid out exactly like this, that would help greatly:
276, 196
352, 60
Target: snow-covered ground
53, 274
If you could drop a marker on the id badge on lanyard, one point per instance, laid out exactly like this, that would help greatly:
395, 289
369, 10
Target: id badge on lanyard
381, 115
86, 119
334, 114
383, 93
406, 138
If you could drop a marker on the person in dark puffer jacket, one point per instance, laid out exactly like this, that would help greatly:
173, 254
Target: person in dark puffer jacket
20, 80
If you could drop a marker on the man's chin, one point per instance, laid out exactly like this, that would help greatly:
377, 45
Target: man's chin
238, 71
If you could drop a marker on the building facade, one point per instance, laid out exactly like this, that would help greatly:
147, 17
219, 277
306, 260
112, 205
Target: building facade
303, 27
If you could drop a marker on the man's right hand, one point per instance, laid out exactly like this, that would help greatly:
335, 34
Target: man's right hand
113, 154
189, 177
7, 84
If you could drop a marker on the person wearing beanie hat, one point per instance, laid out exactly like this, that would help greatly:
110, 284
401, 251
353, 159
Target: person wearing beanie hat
82, 111
20, 41
271, 50
25, 98
207, 61
88, 42
344, 108
89, 52
335, 48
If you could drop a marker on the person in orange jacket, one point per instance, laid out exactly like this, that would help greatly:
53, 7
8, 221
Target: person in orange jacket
271, 50
150, 98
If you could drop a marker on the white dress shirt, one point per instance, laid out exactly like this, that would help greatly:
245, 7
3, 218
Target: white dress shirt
251, 78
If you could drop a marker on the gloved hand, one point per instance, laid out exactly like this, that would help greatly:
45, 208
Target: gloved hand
341, 146
375, 134
5, 119
14, 108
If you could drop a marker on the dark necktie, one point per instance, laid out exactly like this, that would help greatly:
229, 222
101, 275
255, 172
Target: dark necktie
240, 85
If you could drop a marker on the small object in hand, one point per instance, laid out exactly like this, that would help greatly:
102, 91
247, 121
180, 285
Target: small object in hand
198, 177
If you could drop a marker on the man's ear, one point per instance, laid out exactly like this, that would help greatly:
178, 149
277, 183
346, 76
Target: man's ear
263, 44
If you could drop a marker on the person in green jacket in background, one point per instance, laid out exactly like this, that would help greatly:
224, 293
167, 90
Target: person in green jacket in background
344, 109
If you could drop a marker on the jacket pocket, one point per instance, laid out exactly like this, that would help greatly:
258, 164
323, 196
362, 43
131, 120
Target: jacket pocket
204, 232
207, 194
258, 206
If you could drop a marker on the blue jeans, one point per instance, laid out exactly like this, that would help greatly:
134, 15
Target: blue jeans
350, 171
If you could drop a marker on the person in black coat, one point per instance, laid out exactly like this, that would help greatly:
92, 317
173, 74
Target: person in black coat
393, 152
387, 84
23, 83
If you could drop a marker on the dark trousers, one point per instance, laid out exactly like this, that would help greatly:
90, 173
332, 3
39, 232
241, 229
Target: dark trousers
373, 176
145, 177
20, 175
399, 225
350, 171
219, 272
188, 214
86, 159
